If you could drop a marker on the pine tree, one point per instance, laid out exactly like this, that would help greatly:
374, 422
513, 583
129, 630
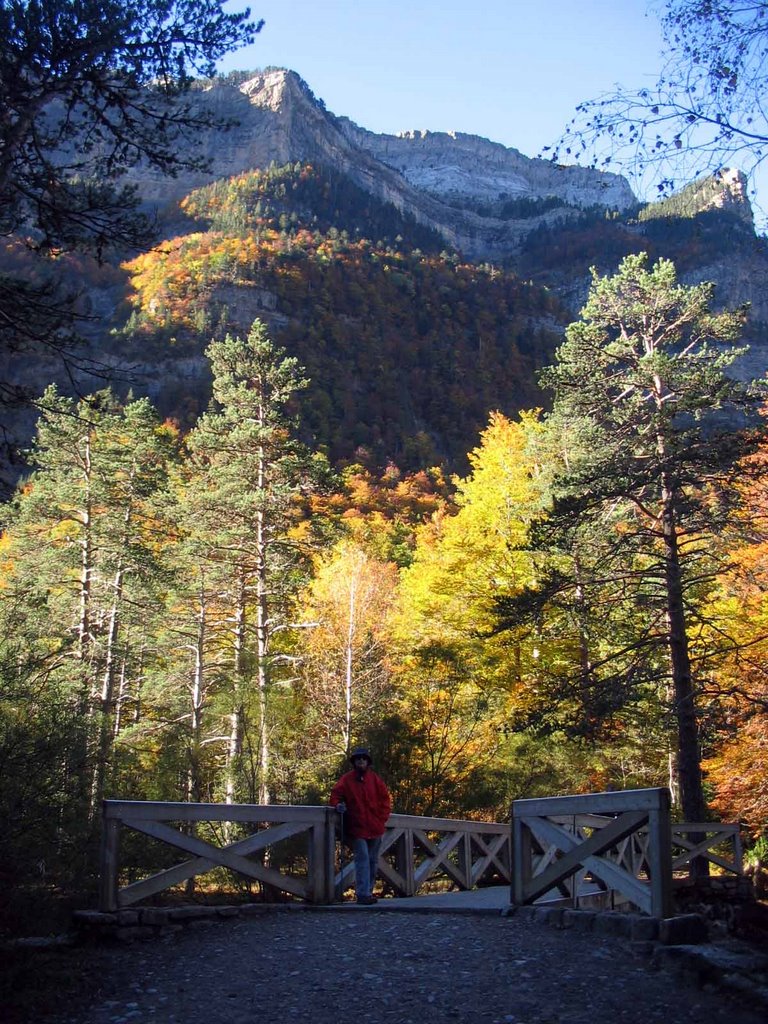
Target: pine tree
80, 569
643, 379
245, 499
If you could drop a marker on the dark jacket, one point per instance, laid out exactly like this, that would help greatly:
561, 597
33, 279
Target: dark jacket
368, 803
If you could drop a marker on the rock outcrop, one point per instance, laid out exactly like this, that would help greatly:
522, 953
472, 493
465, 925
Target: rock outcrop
456, 184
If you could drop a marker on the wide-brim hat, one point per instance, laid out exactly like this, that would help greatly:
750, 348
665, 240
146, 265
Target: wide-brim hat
361, 752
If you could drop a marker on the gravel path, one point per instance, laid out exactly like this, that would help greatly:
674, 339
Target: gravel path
407, 968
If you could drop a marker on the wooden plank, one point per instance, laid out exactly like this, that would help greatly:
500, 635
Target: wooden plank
575, 852
198, 866
442, 848
344, 879
319, 865
175, 876
592, 803
109, 864
685, 858
718, 833
581, 820
218, 856
444, 824
437, 861
659, 855
465, 859
722, 827
695, 849
401, 876
395, 879
522, 860
491, 851
129, 811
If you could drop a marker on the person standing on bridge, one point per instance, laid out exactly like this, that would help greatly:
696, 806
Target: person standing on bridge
362, 798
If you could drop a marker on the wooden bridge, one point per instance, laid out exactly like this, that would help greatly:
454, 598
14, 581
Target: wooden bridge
620, 845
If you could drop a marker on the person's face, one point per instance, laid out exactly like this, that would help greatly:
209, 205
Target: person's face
361, 763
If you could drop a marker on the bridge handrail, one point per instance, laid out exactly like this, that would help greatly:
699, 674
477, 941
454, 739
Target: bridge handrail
625, 840
414, 849
629, 834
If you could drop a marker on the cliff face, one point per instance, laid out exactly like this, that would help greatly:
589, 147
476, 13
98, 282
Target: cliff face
458, 168
456, 184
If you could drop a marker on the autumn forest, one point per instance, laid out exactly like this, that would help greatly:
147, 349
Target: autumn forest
211, 598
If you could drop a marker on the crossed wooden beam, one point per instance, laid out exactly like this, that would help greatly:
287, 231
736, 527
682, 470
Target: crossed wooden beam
208, 856
568, 853
274, 825
465, 873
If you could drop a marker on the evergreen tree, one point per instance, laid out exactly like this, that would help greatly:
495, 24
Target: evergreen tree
642, 378
80, 570
245, 500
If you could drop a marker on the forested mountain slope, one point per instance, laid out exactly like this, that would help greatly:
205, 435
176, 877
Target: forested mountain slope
406, 347
422, 279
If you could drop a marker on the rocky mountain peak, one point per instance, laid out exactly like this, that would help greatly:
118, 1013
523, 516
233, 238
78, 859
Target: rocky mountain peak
731, 193
463, 186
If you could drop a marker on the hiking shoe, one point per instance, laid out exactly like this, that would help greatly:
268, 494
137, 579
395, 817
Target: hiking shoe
367, 901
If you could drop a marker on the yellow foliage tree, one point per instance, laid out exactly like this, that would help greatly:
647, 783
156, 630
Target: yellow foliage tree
345, 669
456, 680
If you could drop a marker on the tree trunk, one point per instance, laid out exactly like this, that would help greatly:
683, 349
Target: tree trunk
692, 800
194, 780
262, 654
348, 665
235, 741
107, 697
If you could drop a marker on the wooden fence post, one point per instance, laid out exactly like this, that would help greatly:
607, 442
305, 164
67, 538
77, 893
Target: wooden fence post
108, 860
522, 859
329, 855
404, 861
660, 855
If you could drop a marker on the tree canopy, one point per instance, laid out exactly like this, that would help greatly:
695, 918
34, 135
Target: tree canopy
706, 110
642, 381
89, 89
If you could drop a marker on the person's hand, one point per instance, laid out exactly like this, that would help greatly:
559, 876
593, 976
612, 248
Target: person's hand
341, 807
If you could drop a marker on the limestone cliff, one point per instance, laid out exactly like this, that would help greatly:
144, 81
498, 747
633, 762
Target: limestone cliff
456, 184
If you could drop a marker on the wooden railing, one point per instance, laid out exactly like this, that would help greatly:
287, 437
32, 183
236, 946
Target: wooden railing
575, 848
414, 849
618, 842
173, 824
718, 843
619, 845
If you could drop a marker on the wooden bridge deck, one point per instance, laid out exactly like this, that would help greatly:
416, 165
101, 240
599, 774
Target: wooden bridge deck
490, 899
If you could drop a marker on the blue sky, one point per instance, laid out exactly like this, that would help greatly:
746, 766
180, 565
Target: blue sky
510, 70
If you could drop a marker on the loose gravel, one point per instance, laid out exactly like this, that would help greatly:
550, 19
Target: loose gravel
360, 965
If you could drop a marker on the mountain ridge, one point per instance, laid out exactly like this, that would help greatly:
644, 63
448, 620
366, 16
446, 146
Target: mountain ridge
423, 278
280, 121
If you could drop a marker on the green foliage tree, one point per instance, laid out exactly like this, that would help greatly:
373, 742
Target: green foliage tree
80, 572
242, 507
642, 380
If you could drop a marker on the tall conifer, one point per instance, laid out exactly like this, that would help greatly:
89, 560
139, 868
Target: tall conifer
642, 378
